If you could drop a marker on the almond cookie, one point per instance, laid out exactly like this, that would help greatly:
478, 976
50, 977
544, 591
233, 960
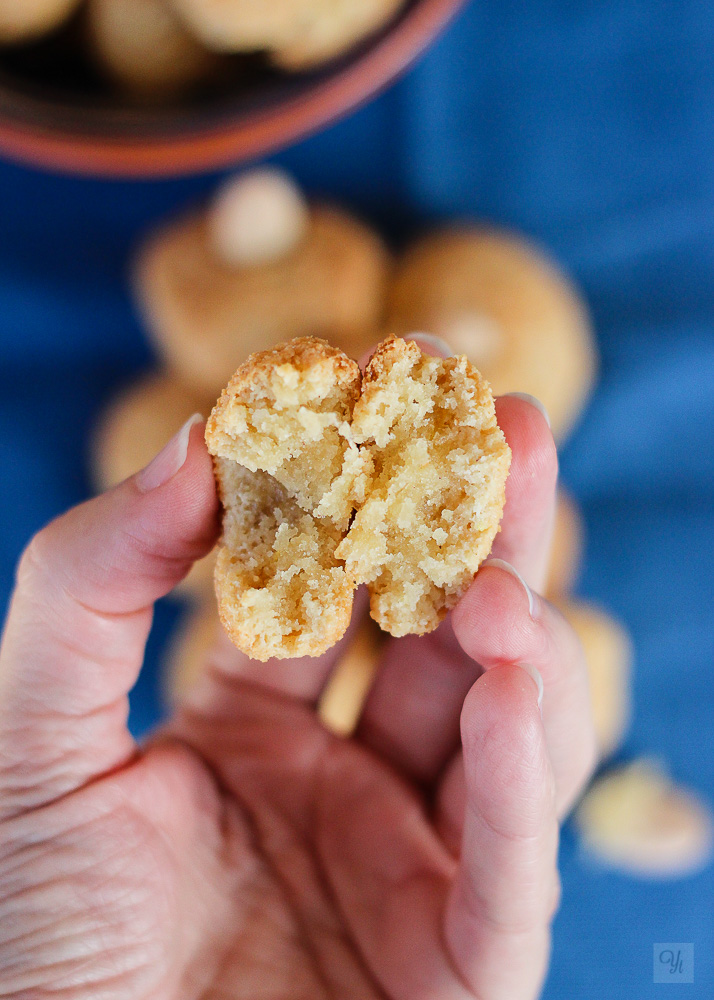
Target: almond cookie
608, 656
188, 652
499, 301
440, 464
334, 32
343, 698
133, 428
301, 33
211, 298
25, 20
299, 445
288, 475
638, 820
143, 47
566, 548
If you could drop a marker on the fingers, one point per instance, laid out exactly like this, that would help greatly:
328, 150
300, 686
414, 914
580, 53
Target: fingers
527, 525
500, 621
412, 713
75, 634
501, 902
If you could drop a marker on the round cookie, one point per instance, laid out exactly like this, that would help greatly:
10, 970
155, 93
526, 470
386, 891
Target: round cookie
637, 820
300, 33
495, 298
334, 32
133, 428
608, 655
566, 547
143, 47
25, 20
206, 316
244, 25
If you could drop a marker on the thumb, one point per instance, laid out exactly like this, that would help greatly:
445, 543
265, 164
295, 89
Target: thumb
80, 616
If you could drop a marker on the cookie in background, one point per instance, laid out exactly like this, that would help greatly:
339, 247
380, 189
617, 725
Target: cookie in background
499, 300
26, 20
133, 428
256, 267
637, 820
188, 651
143, 48
566, 552
299, 34
608, 655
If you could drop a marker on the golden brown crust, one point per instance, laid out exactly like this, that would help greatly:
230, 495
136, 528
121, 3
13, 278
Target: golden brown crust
206, 318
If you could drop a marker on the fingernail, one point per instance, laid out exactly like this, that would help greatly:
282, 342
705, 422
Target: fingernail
429, 340
533, 401
169, 460
502, 564
537, 680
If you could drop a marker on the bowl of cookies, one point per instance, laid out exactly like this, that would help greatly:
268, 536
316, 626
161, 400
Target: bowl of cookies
141, 88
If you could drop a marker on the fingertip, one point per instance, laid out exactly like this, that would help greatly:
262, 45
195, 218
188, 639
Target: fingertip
505, 754
495, 617
528, 433
501, 706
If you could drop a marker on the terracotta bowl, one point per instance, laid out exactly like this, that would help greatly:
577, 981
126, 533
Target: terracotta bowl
73, 128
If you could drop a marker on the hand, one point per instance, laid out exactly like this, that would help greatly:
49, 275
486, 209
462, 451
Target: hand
245, 852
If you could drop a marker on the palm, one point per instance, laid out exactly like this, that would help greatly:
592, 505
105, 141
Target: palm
273, 860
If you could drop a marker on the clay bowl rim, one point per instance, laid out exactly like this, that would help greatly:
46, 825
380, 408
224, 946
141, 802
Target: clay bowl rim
231, 137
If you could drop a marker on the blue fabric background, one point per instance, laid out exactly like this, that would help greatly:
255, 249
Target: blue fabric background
589, 127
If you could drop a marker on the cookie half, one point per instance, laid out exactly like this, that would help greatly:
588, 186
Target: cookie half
440, 463
289, 477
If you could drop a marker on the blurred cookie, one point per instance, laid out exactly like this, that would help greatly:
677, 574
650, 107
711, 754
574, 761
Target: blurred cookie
244, 25
133, 428
566, 547
208, 304
143, 47
25, 20
637, 820
301, 33
333, 32
188, 651
608, 654
495, 298
345, 693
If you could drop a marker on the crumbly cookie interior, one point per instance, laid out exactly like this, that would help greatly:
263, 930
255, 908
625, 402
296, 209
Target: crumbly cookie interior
287, 412
440, 465
281, 589
300, 446
288, 474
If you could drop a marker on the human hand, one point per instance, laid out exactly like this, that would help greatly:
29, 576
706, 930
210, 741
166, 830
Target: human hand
245, 851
